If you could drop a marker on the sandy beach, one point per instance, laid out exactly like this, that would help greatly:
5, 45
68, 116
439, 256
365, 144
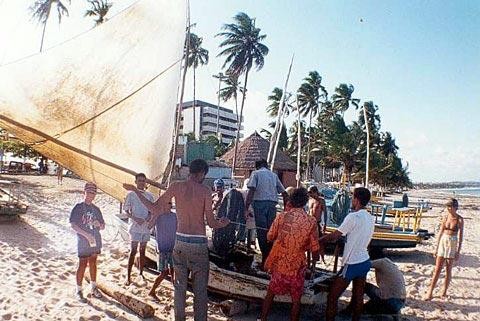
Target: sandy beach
38, 261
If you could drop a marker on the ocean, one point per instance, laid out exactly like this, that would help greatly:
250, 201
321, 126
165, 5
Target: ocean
473, 191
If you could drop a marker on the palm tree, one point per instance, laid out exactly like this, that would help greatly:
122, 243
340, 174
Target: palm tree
243, 48
99, 9
309, 95
230, 90
342, 98
274, 98
41, 10
196, 56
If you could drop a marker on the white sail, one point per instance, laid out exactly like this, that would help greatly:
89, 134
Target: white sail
103, 104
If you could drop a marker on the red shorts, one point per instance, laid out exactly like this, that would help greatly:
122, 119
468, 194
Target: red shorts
281, 284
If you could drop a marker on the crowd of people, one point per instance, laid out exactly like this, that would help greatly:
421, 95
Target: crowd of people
291, 242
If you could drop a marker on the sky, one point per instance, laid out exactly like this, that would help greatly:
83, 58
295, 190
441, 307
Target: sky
419, 61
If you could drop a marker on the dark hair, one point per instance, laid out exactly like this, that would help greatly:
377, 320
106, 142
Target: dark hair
299, 197
362, 194
198, 166
140, 175
313, 189
452, 202
261, 163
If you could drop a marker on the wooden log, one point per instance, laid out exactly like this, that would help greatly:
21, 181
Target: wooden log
143, 309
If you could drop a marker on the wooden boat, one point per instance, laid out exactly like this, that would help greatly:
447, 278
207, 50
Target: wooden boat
10, 204
247, 284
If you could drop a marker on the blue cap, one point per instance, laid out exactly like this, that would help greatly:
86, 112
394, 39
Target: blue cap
218, 183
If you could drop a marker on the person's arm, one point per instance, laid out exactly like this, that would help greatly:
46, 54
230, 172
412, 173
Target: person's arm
440, 233
208, 213
273, 231
249, 200
281, 190
346, 227
90, 238
153, 207
460, 237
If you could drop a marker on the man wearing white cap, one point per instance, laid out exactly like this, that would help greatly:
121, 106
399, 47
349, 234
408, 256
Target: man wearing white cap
86, 220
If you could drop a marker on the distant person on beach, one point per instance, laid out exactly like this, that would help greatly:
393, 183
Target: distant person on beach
293, 233
448, 248
86, 220
165, 231
193, 202
264, 187
388, 296
59, 173
317, 208
138, 230
358, 228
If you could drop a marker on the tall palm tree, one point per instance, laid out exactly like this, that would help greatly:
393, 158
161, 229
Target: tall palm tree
41, 10
243, 48
342, 98
98, 9
196, 56
311, 95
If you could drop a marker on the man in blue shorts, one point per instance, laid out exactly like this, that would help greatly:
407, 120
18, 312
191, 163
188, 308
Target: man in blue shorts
358, 228
139, 217
165, 231
86, 220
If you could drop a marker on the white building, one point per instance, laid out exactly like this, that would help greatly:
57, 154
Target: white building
206, 121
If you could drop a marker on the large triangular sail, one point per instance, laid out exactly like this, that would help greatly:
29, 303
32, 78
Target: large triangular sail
103, 104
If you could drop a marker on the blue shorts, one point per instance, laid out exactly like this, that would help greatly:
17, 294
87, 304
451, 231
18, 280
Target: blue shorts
165, 261
139, 237
353, 271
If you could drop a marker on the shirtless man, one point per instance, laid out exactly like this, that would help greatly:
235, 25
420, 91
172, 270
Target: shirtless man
193, 205
317, 208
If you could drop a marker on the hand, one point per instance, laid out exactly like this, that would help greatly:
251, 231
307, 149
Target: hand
129, 187
90, 238
224, 221
97, 224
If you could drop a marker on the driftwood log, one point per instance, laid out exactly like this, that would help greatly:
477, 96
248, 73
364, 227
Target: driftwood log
143, 309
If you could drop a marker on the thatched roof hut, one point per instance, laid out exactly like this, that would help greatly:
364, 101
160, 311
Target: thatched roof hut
254, 148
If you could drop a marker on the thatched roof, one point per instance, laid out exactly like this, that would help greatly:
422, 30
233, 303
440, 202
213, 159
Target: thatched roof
254, 148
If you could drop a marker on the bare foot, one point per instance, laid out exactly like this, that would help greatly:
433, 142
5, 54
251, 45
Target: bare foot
154, 296
428, 297
127, 282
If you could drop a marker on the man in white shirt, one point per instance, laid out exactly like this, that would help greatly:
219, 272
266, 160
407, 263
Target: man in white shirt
263, 189
358, 228
139, 217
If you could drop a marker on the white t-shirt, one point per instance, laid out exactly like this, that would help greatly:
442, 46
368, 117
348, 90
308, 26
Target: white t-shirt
133, 204
358, 227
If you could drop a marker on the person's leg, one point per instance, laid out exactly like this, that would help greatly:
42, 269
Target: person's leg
143, 246
448, 276
131, 260
82, 265
180, 264
261, 224
436, 274
92, 267
157, 282
337, 287
372, 291
200, 266
295, 313
271, 214
357, 297
267, 305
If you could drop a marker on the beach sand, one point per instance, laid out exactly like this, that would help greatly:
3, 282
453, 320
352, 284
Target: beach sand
38, 262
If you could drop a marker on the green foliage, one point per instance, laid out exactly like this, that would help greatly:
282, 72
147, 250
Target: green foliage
98, 9
217, 145
19, 149
196, 54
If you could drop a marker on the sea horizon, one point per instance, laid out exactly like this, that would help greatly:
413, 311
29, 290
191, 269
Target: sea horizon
468, 191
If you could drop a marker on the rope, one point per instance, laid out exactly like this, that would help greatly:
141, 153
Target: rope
112, 106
